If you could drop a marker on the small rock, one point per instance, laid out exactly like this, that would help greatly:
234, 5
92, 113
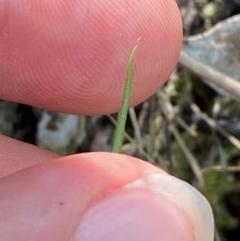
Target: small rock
60, 133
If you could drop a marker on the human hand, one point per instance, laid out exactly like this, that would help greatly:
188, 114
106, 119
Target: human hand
71, 56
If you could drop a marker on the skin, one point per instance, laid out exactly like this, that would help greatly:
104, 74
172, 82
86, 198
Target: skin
71, 56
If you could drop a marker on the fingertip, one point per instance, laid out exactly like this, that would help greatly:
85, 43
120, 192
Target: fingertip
72, 56
50, 198
134, 214
185, 197
153, 207
59, 197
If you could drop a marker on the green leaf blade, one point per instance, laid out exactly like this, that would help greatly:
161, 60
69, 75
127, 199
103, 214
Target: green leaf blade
122, 116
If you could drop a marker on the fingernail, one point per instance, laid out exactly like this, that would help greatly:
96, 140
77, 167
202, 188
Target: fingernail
155, 207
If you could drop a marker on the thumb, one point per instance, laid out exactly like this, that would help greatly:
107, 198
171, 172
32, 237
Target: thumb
101, 196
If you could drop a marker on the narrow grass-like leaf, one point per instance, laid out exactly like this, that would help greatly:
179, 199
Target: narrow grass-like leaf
122, 115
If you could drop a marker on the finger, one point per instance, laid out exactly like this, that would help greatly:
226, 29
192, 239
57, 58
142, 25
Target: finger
85, 197
71, 56
16, 155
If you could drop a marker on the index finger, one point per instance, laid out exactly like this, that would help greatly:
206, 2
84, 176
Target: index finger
71, 56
